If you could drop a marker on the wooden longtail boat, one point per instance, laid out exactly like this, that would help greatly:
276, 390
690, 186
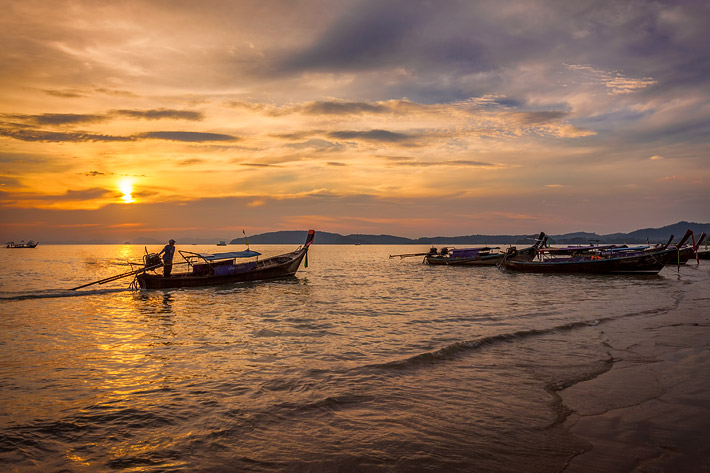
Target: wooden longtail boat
22, 244
483, 256
536, 259
221, 268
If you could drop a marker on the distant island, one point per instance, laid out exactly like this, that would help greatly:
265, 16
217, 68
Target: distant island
651, 235
296, 237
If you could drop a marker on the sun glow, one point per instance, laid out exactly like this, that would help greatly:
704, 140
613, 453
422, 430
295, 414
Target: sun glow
126, 187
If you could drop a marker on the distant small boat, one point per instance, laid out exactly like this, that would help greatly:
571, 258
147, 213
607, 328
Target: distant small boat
590, 260
222, 243
22, 244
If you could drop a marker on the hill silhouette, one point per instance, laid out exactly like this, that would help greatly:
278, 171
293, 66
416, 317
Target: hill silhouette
652, 235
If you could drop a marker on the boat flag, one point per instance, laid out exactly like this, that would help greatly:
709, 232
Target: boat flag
246, 240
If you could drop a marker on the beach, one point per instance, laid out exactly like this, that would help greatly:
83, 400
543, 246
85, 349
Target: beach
651, 411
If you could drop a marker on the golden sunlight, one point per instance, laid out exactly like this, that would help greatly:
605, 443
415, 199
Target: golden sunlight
126, 186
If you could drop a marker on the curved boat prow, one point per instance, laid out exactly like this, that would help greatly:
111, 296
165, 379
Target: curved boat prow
309, 238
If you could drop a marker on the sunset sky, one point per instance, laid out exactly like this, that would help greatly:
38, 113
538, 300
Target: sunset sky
181, 119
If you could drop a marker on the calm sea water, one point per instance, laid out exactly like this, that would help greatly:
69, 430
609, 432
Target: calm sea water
359, 363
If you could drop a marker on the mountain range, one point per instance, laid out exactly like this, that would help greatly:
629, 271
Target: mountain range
652, 235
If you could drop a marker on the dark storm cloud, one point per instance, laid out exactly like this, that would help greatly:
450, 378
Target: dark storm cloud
382, 136
187, 136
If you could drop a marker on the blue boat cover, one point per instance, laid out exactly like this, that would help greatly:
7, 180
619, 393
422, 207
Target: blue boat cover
231, 255
470, 252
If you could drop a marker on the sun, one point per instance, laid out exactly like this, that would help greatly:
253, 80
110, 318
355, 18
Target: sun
126, 186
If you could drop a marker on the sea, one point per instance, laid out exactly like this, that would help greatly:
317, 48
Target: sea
359, 363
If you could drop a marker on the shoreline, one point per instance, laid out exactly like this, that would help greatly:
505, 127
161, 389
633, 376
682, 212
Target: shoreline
651, 411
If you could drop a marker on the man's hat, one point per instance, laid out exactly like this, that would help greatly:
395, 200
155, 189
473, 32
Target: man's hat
171, 241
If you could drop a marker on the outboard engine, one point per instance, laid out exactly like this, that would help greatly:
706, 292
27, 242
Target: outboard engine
151, 259
444, 251
432, 251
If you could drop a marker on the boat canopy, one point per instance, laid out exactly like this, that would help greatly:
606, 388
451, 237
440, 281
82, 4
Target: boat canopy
231, 255
470, 252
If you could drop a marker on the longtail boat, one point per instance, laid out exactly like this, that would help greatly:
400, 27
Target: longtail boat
481, 256
592, 260
222, 268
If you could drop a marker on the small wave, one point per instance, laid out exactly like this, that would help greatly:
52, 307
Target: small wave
457, 349
57, 293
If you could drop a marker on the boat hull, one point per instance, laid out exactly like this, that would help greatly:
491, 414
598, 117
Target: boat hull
270, 268
682, 256
650, 263
488, 260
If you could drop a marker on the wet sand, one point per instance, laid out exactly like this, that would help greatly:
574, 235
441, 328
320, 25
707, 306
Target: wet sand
651, 411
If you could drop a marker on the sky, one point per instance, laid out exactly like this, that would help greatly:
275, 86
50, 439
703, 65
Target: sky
180, 119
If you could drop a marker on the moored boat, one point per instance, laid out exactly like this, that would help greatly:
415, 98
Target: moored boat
22, 244
590, 260
222, 268
482, 256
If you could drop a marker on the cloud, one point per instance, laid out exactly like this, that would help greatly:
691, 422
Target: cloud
191, 161
60, 118
160, 114
85, 198
450, 163
318, 145
343, 108
58, 137
67, 94
382, 136
186, 136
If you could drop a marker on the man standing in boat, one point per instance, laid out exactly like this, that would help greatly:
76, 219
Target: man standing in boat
168, 251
